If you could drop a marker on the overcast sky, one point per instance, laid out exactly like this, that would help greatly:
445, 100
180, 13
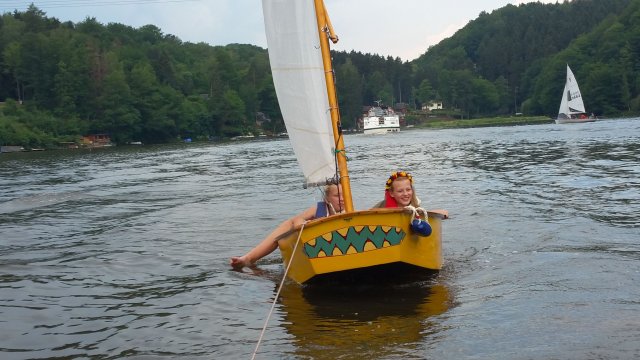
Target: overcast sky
399, 28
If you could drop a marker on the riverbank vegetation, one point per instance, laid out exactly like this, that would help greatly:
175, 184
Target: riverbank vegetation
61, 80
483, 122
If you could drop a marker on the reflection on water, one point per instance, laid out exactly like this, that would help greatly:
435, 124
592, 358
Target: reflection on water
361, 321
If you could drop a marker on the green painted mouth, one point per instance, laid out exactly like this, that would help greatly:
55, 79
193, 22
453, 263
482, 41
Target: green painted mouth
335, 244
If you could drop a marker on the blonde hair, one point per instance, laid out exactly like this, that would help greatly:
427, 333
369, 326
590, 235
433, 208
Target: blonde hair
327, 188
325, 195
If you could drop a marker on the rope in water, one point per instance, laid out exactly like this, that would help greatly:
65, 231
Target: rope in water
273, 304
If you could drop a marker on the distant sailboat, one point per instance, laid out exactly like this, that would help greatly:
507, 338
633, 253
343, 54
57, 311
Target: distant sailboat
572, 107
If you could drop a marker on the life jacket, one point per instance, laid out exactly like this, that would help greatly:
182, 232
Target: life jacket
321, 210
389, 202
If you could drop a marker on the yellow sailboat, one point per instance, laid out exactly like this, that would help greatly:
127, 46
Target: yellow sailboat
298, 34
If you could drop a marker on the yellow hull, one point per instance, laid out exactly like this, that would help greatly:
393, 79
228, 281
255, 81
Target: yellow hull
359, 240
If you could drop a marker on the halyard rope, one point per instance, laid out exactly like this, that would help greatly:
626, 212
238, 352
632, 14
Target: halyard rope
273, 305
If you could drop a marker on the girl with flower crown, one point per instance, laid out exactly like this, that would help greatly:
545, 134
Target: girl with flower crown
399, 191
332, 204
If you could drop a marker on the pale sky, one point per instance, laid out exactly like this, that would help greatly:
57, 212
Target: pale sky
399, 28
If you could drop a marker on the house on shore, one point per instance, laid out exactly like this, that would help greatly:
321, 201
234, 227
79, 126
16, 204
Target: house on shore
96, 140
433, 105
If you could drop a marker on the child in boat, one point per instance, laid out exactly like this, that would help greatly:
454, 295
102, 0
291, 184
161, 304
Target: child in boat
399, 191
332, 204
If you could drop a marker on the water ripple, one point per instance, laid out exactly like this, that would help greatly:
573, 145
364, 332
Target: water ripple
123, 252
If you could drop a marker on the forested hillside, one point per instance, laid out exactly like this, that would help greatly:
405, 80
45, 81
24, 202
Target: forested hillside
60, 80
514, 59
607, 63
63, 80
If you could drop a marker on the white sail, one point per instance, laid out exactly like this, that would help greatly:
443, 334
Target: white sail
571, 103
298, 75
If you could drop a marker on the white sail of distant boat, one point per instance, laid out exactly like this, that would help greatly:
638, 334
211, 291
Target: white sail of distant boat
572, 108
299, 79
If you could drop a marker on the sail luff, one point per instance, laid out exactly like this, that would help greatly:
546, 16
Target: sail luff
326, 31
298, 76
563, 110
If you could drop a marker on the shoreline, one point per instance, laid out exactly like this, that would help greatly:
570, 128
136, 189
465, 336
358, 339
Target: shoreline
485, 122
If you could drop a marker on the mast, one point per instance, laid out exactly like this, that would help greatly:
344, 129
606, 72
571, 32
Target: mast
325, 29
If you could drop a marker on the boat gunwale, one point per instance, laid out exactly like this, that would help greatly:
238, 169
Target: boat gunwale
435, 213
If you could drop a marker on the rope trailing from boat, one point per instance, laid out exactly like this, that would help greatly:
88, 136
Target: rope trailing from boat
273, 304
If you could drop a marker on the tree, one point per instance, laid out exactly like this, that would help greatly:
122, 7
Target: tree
486, 98
269, 105
64, 88
349, 87
505, 99
13, 59
425, 92
380, 88
118, 117
234, 121
606, 91
154, 101
190, 118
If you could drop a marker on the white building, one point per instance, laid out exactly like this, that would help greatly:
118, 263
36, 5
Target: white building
433, 105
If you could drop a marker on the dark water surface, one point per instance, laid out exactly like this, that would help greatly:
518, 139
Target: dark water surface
123, 252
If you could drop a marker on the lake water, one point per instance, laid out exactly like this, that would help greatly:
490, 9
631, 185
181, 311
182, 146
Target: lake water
123, 252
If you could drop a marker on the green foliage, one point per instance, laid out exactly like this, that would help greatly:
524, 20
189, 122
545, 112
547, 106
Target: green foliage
349, 88
59, 81
34, 128
133, 84
425, 92
523, 51
605, 63
234, 121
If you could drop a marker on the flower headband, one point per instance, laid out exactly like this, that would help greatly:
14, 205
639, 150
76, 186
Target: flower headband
397, 174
